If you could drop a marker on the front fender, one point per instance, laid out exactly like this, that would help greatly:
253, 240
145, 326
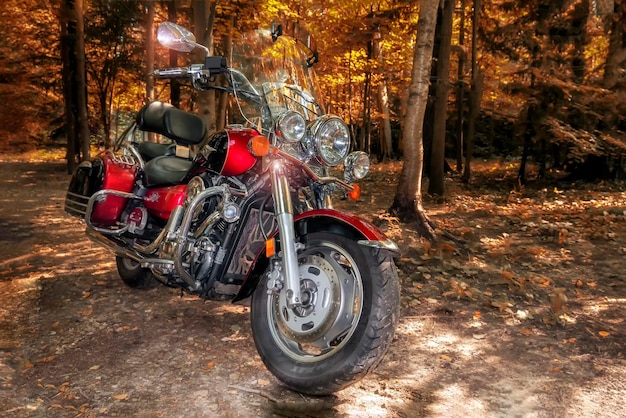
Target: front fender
322, 220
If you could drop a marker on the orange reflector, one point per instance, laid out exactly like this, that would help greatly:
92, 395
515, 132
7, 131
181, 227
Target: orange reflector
270, 248
259, 146
355, 193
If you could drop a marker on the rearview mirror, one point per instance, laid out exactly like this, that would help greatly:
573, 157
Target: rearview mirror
176, 37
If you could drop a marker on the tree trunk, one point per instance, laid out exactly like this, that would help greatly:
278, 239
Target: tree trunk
222, 104
149, 52
407, 203
436, 185
386, 147
475, 96
203, 18
579, 31
460, 99
365, 120
616, 54
173, 59
81, 83
68, 57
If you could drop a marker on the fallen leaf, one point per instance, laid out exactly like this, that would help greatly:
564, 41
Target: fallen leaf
526, 332
120, 397
603, 334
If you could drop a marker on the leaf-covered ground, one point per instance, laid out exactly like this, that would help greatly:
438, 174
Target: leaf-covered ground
521, 315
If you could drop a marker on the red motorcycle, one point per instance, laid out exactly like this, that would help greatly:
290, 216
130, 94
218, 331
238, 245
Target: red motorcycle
250, 214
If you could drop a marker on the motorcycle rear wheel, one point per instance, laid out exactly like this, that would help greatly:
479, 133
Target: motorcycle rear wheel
133, 275
351, 300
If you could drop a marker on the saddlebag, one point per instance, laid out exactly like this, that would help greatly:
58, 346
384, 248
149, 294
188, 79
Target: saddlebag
103, 173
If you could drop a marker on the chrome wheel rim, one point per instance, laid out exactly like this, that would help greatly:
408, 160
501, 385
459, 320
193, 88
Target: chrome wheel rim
332, 295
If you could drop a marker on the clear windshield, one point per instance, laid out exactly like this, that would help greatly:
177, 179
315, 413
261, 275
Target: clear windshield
270, 77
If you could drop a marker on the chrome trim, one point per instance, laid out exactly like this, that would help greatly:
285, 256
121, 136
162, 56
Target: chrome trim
384, 245
183, 232
100, 196
284, 215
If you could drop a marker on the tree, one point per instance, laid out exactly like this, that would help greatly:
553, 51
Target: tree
616, 53
116, 53
204, 18
436, 184
74, 81
407, 203
475, 96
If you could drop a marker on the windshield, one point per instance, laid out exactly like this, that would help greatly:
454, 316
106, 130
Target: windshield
270, 77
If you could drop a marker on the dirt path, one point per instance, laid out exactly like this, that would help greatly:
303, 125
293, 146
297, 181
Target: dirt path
526, 318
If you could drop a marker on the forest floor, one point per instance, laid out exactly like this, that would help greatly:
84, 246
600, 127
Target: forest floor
522, 316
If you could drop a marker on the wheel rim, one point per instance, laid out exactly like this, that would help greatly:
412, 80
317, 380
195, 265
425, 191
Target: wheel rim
332, 295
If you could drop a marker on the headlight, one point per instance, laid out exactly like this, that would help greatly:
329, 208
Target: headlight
291, 126
357, 166
331, 139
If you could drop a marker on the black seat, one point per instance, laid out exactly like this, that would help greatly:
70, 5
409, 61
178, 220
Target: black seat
150, 150
166, 170
162, 118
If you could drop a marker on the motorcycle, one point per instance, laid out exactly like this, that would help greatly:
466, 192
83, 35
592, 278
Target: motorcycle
249, 217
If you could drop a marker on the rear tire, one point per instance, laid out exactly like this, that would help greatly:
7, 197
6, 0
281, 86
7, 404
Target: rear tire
351, 301
133, 274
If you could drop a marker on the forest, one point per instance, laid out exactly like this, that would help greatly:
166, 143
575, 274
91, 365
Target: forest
512, 288
535, 81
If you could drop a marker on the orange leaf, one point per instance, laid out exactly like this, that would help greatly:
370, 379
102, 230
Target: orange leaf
120, 397
603, 334
526, 332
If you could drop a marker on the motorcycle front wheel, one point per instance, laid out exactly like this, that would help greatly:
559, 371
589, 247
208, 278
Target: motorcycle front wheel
350, 307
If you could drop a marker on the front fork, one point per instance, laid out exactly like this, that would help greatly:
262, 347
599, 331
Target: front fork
284, 215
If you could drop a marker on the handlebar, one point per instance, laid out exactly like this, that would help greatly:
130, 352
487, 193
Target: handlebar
178, 72
212, 66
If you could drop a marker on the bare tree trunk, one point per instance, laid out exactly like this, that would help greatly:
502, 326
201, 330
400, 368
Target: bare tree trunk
173, 62
149, 52
81, 83
460, 99
436, 185
204, 17
68, 57
365, 120
407, 203
475, 98
223, 96
616, 54
386, 147
476, 93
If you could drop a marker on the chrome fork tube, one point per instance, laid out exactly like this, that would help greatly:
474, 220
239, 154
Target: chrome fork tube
284, 216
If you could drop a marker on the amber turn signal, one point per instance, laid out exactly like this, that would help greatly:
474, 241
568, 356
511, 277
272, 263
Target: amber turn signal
270, 247
355, 193
259, 146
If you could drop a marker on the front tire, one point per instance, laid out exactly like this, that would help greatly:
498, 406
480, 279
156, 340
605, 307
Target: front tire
133, 274
351, 301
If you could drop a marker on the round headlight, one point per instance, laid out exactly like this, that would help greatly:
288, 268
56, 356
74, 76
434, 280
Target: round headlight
331, 138
357, 166
291, 126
